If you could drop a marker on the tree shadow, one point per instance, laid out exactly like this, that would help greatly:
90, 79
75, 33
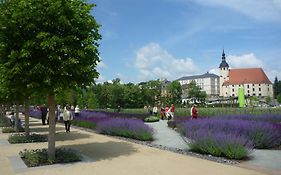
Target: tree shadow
74, 135
35, 124
44, 129
106, 150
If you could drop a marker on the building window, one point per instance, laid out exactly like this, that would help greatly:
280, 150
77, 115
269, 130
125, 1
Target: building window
248, 86
248, 91
232, 85
259, 94
259, 84
253, 84
232, 90
254, 94
259, 89
268, 89
232, 95
253, 89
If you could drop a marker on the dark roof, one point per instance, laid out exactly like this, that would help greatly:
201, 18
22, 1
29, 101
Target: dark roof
206, 75
247, 76
223, 64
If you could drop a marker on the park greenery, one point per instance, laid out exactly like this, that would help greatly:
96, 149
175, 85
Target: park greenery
39, 157
22, 138
46, 46
48, 55
277, 89
113, 94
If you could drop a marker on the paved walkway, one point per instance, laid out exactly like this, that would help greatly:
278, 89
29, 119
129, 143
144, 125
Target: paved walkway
104, 155
268, 161
166, 136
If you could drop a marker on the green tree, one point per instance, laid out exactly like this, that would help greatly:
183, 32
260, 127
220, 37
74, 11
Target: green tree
268, 100
279, 98
174, 92
275, 87
195, 93
50, 45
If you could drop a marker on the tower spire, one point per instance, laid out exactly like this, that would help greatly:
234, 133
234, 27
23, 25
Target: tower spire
223, 62
223, 55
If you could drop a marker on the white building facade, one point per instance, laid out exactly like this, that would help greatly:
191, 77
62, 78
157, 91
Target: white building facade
210, 83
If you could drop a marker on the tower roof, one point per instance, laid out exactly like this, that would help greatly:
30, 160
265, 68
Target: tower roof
223, 62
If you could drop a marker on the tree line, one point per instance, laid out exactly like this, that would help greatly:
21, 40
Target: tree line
114, 94
277, 89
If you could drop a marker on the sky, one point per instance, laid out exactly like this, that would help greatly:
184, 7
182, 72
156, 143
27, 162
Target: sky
150, 39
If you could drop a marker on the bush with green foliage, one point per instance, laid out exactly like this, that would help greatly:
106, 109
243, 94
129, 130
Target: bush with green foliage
22, 138
151, 119
39, 157
11, 130
4, 122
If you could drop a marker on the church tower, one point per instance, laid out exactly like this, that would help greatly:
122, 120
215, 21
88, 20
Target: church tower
224, 73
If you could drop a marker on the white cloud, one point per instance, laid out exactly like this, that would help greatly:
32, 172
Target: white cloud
272, 73
265, 10
101, 65
154, 62
100, 79
244, 61
215, 71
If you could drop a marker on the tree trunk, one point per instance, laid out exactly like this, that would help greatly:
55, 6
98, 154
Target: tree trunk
2, 110
17, 116
27, 116
52, 126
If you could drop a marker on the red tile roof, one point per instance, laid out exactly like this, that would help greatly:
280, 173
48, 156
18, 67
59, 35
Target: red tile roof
247, 76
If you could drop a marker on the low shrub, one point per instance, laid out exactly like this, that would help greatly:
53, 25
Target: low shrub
130, 128
21, 138
275, 118
105, 114
151, 119
4, 122
84, 124
11, 130
39, 157
220, 144
262, 134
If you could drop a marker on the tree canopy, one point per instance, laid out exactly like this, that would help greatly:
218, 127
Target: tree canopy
195, 93
48, 46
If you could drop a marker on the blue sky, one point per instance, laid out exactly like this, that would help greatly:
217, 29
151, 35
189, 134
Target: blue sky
151, 39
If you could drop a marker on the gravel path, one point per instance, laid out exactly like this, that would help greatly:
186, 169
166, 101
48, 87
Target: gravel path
165, 136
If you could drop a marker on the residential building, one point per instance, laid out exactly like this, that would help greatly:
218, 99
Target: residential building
207, 82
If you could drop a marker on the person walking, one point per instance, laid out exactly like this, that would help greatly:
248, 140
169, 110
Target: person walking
162, 113
172, 109
155, 110
67, 117
77, 111
44, 112
193, 112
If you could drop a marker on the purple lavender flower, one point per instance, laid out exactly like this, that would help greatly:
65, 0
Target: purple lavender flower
132, 128
36, 114
262, 134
